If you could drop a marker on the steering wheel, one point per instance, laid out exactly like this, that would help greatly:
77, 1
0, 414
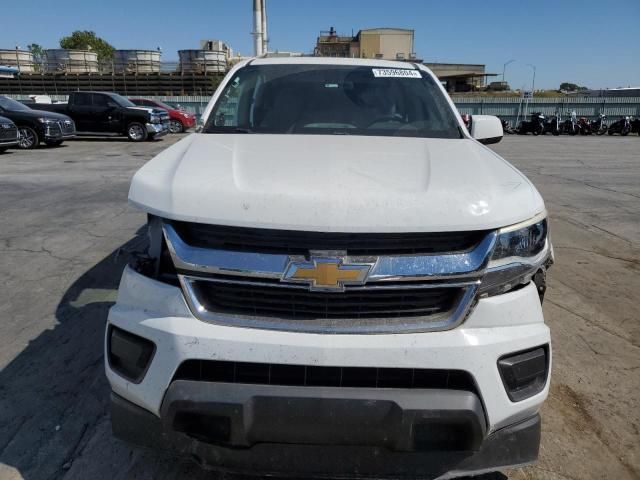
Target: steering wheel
386, 118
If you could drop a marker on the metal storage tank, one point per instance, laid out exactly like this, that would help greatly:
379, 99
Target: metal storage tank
71, 61
202, 61
136, 61
21, 59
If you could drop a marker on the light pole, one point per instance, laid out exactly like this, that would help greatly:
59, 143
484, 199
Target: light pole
504, 67
533, 82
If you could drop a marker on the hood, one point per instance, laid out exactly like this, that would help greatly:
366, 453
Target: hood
335, 183
150, 110
34, 113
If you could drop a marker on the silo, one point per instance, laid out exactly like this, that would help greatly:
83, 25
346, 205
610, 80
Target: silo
21, 59
136, 61
202, 61
71, 61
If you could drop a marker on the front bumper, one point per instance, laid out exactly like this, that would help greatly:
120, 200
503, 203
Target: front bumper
514, 445
157, 129
496, 327
8, 143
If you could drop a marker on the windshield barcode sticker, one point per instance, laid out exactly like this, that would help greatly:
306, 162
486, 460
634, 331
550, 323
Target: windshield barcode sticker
395, 73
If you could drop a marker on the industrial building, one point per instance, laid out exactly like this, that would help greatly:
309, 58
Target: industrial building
461, 77
383, 43
398, 44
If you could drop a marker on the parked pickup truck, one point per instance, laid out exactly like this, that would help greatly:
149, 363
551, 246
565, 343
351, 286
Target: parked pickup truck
103, 113
8, 134
340, 281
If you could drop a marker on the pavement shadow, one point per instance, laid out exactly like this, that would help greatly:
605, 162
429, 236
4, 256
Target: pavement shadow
54, 392
54, 396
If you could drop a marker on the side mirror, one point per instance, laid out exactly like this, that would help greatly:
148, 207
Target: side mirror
486, 129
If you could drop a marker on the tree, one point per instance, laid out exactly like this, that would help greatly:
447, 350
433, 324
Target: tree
38, 54
571, 87
86, 40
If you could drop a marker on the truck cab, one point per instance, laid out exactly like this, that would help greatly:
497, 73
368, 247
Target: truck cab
341, 280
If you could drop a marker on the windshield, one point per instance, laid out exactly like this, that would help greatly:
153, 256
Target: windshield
120, 100
332, 99
12, 105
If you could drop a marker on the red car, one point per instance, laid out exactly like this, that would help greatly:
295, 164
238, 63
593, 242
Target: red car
179, 121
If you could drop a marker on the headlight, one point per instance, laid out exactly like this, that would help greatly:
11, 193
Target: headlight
155, 119
514, 244
522, 253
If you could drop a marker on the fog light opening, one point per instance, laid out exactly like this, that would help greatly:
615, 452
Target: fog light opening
524, 373
128, 354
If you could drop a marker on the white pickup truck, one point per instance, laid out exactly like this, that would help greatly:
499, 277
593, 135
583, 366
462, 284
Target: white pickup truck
341, 280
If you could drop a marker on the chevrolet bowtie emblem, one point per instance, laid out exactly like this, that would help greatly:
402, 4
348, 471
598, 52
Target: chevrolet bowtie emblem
329, 274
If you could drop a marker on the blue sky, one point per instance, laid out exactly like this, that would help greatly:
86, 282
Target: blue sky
593, 43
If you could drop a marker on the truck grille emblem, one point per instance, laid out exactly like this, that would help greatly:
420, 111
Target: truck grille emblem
325, 273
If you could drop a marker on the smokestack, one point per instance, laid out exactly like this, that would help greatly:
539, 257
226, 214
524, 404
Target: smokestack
257, 28
265, 39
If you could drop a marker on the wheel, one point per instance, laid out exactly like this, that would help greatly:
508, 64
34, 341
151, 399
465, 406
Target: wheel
53, 143
175, 126
137, 132
28, 138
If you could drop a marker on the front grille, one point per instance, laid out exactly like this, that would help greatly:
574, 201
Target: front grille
299, 243
8, 134
317, 376
67, 127
54, 129
301, 304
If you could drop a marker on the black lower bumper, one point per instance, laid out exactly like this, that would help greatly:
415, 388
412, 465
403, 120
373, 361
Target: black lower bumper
354, 433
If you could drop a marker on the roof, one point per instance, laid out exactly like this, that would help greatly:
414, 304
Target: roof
370, 62
386, 30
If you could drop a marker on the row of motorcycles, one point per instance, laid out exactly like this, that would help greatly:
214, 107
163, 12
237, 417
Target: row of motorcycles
540, 125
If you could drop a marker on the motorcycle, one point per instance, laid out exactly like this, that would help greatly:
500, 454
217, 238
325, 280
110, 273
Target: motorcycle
570, 125
584, 125
622, 126
506, 127
535, 125
599, 127
466, 118
635, 126
553, 125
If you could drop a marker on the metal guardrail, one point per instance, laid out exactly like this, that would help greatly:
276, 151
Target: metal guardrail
508, 108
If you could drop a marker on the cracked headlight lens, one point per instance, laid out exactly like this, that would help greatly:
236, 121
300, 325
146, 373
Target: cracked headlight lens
522, 253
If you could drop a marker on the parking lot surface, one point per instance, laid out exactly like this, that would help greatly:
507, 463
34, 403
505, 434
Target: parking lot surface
66, 232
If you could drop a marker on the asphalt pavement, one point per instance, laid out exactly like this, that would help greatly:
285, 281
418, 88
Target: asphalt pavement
66, 231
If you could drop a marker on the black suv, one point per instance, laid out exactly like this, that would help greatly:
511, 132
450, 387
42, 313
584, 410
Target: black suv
8, 134
37, 126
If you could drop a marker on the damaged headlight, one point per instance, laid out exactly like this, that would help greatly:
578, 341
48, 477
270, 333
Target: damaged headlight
522, 253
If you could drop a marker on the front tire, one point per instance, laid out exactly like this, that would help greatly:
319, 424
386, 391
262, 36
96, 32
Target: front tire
175, 126
136, 132
28, 138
